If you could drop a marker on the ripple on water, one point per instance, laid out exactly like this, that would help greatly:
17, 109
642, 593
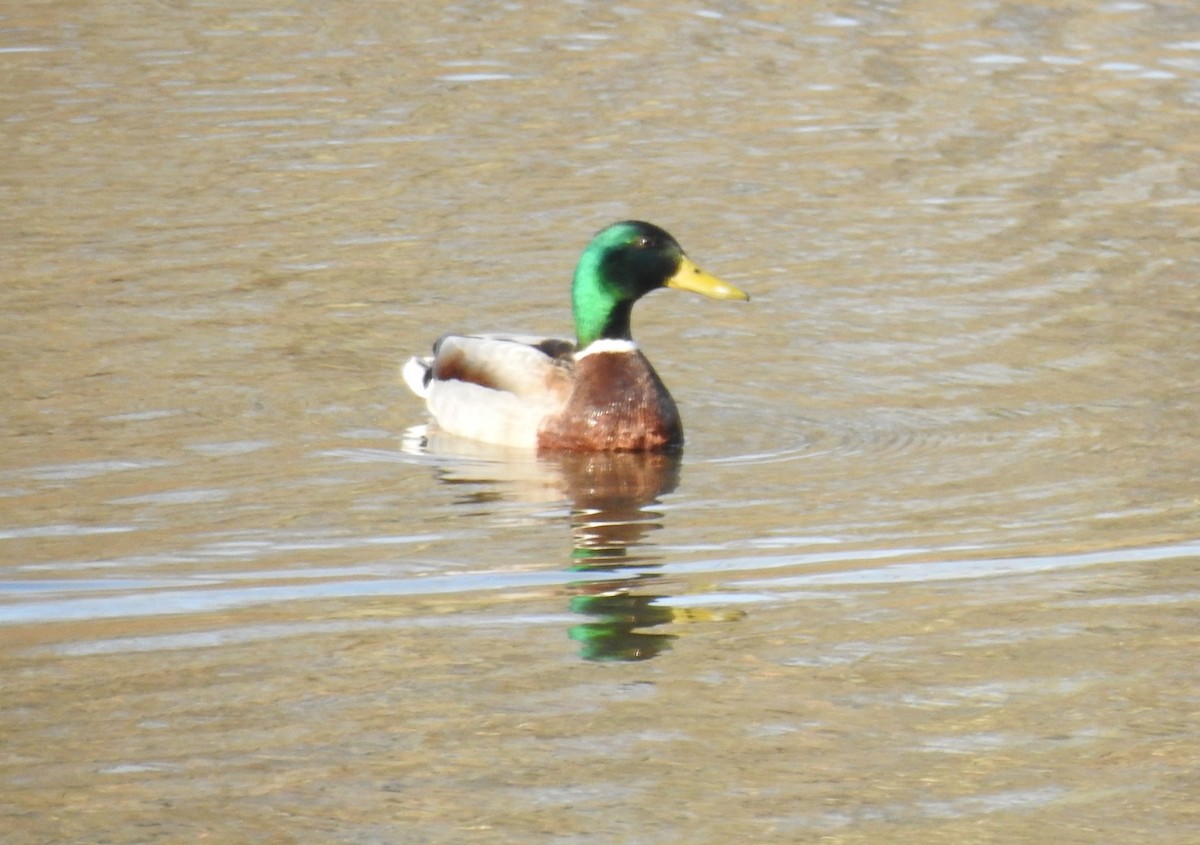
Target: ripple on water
873, 435
86, 469
925, 571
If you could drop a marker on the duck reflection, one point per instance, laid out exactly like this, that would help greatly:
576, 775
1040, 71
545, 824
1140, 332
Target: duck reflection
611, 513
611, 499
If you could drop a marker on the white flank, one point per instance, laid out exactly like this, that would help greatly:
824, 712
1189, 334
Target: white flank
480, 413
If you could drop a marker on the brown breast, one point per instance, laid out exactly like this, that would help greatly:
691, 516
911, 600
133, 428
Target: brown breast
619, 404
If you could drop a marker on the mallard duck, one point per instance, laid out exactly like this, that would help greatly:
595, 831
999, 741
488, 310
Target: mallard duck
597, 394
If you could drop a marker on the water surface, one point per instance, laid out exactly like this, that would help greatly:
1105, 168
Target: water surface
925, 571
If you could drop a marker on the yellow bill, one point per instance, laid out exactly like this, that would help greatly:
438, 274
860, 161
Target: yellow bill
690, 277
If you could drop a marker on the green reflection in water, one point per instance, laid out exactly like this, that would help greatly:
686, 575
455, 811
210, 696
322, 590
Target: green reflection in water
609, 523
611, 499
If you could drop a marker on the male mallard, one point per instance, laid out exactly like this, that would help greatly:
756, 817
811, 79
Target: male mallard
598, 394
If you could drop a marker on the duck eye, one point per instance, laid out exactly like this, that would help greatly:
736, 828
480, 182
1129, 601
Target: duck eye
644, 242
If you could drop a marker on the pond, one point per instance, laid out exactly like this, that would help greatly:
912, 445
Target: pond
925, 570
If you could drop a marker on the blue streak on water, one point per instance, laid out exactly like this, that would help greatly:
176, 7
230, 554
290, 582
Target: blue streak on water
211, 600
204, 597
947, 570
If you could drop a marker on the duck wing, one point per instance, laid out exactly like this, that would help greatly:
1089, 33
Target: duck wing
496, 388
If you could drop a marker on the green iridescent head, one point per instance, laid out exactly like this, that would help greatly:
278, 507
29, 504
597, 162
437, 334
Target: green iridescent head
623, 263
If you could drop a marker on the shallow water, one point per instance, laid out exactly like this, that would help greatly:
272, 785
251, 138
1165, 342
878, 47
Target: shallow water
925, 571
